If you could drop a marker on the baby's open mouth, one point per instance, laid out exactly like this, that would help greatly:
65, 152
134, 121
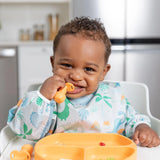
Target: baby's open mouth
76, 90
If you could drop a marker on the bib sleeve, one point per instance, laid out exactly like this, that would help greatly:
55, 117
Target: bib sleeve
32, 117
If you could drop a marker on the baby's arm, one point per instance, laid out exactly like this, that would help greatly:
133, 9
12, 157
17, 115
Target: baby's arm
138, 127
146, 136
33, 117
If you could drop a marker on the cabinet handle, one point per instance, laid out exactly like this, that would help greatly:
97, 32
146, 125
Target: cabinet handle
7, 52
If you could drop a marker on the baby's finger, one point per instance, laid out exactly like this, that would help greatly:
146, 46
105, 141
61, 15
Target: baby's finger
142, 138
153, 143
147, 142
135, 137
156, 142
51, 85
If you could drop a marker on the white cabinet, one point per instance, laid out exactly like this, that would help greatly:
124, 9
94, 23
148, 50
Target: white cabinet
34, 65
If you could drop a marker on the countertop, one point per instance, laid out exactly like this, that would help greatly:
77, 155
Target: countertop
24, 43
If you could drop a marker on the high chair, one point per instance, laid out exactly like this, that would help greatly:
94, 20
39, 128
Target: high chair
136, 93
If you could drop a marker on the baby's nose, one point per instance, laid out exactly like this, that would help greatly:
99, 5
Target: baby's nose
76, 75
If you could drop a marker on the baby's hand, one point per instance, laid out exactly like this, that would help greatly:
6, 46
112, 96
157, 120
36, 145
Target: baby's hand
51, 85
146, 136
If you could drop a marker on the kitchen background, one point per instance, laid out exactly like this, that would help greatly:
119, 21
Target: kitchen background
27, 28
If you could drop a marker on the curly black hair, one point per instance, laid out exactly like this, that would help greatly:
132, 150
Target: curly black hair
89, 28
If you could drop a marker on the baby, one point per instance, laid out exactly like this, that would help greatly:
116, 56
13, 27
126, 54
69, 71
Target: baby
81, 53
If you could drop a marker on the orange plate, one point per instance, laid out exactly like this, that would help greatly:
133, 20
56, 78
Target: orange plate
110, 153
85, 146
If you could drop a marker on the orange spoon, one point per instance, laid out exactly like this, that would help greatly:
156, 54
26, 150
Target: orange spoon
24, 154
61, 94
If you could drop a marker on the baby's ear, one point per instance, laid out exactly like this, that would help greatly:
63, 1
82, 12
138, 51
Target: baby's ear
105, 71
52, 62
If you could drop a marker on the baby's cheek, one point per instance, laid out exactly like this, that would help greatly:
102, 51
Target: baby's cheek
61, 73
92, 87
93, 80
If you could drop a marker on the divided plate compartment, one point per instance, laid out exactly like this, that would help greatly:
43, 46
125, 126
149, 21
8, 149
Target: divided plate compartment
110, 153
85, 146
59, 153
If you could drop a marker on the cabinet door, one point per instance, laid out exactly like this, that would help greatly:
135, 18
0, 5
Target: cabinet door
116, 61
143, 66
34, 66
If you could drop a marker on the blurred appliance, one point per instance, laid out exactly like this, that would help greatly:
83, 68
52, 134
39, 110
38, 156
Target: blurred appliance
8, 82
134, 30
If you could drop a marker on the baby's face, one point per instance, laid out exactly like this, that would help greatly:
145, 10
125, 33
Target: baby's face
80, 61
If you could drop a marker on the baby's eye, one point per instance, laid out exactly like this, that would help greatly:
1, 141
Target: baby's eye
89, 69
66, 65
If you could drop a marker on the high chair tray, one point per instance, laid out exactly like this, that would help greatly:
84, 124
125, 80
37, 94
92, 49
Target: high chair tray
85, 146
